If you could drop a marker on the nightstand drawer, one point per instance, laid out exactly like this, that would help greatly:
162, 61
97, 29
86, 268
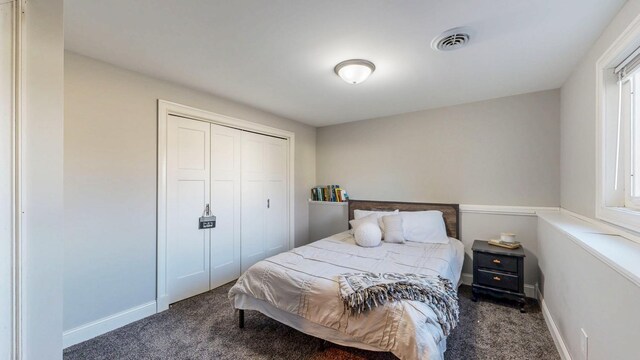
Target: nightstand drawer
498, 280
497, 262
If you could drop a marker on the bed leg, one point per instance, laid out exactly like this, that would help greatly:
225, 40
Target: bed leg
241, 319
324, 345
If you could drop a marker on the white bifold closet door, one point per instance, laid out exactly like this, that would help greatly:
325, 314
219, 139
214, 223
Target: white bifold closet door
188, 182
242, 176
225, 204
264, 218
203, 167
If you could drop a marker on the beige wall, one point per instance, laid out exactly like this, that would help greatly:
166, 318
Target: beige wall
42, 182
110, 182
578, 114
504, 152
498, 152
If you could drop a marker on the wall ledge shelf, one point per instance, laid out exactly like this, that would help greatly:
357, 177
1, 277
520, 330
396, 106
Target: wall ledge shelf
335, 203
600, 240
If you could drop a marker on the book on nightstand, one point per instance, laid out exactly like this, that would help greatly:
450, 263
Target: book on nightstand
505, 244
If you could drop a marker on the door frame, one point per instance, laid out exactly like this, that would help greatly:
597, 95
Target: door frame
167, 108
12, 329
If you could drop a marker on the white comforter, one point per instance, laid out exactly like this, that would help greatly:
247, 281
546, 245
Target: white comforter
304, 282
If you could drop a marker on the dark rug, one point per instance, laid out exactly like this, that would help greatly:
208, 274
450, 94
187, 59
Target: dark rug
205, 327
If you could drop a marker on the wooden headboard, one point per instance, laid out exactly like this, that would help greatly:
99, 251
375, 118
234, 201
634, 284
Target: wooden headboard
450, 212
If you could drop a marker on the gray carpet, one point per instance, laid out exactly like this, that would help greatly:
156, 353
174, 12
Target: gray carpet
204, 327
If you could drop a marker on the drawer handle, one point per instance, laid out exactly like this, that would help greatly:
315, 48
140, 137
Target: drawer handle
496, 261
496, 278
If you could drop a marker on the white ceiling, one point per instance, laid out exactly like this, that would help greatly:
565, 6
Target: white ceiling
279, 55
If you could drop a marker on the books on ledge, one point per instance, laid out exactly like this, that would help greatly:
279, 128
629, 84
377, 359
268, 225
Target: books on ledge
504, 244
332, 193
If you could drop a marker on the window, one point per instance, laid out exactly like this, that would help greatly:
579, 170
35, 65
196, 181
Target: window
626, 183
618, 132
627, 141
630, 118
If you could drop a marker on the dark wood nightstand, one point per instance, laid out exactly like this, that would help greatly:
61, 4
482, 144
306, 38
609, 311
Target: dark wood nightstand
498, 272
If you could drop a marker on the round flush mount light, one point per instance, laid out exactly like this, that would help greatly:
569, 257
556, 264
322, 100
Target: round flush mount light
354, 71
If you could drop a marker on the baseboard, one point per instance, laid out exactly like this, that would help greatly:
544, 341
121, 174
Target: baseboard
553, 329
106, 324
529, 290
162, 303
467, 278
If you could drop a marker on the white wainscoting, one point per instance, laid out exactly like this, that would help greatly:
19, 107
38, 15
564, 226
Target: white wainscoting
106, 324
598, 274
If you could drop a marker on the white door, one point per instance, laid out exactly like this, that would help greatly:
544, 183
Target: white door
264, 201
188, 173
225, 204
277, 218
254, 201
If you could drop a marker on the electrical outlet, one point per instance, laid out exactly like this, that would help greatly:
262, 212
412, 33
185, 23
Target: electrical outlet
584, 344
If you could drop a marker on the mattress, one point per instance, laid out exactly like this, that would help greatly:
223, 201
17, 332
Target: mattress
300, 288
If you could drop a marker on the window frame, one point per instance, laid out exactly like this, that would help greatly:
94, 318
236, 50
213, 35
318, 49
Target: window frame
630, 123
611, 203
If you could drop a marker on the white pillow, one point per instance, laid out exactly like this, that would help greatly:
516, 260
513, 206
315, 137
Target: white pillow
370, 219
368, 235
393, 232
358, 214
424, 227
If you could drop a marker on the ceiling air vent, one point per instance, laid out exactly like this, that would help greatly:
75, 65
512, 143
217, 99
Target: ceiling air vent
452, 39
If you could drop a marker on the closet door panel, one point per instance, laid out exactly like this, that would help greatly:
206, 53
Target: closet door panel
223, 235
254, 200
192, 245
264, 198
277, 233
188, 176
225, 204
252, 156
253, 221
275, 159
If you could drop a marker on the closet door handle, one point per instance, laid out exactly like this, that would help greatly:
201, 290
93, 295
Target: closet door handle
268, 203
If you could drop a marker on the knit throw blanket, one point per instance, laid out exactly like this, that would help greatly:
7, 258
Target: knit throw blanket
364, 291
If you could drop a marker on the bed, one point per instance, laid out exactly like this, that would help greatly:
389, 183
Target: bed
299, 288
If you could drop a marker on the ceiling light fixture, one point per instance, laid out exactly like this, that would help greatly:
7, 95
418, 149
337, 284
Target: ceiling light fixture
354, 71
